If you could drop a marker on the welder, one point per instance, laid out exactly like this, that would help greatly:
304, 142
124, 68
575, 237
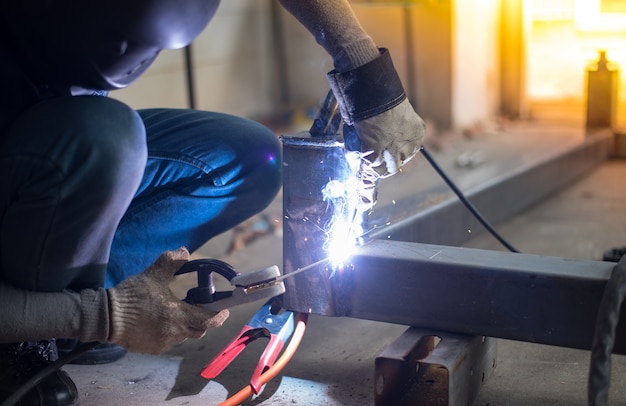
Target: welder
97, 197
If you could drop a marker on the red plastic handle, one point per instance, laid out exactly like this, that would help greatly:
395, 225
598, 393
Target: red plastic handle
228, 354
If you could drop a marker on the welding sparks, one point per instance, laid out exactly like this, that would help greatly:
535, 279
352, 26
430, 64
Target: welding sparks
349, 199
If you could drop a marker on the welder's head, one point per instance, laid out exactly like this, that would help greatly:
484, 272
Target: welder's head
108, 44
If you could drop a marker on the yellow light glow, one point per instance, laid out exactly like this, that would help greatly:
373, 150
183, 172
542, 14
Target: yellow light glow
589, 16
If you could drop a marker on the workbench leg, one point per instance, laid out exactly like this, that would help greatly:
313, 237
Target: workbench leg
433, 368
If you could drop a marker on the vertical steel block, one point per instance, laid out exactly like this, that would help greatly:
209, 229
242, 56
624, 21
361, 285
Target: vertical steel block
309, 164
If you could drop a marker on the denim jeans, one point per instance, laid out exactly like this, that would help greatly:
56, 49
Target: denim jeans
91, 191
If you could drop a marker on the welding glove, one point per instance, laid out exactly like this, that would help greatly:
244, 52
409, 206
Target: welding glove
378, 119
146, 317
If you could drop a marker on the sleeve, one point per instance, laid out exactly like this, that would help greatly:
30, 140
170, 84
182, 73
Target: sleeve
337, 29
28, 315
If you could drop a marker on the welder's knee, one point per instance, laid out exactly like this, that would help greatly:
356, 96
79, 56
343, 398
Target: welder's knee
264, 165
80, 136
111, 140
269, 159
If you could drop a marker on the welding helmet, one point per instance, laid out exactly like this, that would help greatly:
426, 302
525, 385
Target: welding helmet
106, 44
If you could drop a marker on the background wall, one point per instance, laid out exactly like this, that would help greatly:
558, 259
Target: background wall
563, 41
233, 66
255, 60
475, 60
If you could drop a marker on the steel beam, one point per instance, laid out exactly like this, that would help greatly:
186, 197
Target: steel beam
538, 299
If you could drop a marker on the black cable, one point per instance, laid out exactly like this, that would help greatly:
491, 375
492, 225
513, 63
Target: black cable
599, 379
41, 375
466, 202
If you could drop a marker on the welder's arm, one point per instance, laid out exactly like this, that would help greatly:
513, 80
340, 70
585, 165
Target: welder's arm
140, 314
379, 118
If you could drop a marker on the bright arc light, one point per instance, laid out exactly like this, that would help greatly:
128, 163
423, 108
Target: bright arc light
347, 203
343, 241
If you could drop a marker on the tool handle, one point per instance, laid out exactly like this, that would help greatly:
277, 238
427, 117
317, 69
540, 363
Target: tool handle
267, 359
228, 354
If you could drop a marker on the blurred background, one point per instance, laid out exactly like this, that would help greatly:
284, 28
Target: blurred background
464, 63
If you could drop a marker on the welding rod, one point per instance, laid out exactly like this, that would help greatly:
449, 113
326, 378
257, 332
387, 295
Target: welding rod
300, 270
328, 118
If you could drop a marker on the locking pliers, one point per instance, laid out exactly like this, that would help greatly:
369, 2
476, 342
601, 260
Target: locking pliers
248, 287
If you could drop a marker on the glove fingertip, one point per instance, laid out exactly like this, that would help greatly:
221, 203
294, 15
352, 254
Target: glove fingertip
169, 262
219, 319
390, 162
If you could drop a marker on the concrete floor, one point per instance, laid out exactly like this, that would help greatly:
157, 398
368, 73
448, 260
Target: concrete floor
335, 362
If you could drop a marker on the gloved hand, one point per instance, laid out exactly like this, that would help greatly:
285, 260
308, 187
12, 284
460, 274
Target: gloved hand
145, 315
379, 120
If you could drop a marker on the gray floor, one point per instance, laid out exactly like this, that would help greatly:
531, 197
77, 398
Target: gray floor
334, 364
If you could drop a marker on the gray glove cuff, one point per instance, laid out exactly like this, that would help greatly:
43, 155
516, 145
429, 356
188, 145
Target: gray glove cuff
94, 318
368, 90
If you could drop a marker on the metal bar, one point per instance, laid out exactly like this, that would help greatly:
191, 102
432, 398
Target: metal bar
432, 368
191, 87
522, 297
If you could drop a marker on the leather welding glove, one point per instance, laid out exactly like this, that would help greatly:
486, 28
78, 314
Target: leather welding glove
146, 317
379, 120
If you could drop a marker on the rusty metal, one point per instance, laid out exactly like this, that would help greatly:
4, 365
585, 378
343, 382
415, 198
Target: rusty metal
433, 368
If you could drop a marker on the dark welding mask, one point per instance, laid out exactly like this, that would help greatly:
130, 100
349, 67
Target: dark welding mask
105, 44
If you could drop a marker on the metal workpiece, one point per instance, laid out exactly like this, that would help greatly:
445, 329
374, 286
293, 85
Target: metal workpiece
433, 368
537, 299
309, 164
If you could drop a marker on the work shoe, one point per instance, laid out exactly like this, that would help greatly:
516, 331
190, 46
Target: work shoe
614, 254
100, 354
20, 361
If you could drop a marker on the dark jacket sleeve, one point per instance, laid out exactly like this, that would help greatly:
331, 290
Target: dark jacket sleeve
26, 314
337, 29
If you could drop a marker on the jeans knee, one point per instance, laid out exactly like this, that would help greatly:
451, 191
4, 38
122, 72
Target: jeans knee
268, 159
81, 141
262, 164
114, 140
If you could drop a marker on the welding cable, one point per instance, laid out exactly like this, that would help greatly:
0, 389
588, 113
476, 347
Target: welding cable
466, 202
599, 379
41, 375
278, 366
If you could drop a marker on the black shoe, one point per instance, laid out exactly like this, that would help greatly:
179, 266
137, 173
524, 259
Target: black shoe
20, 361
614, 254
100, 354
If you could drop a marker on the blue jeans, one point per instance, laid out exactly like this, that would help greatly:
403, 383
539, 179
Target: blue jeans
91, 191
